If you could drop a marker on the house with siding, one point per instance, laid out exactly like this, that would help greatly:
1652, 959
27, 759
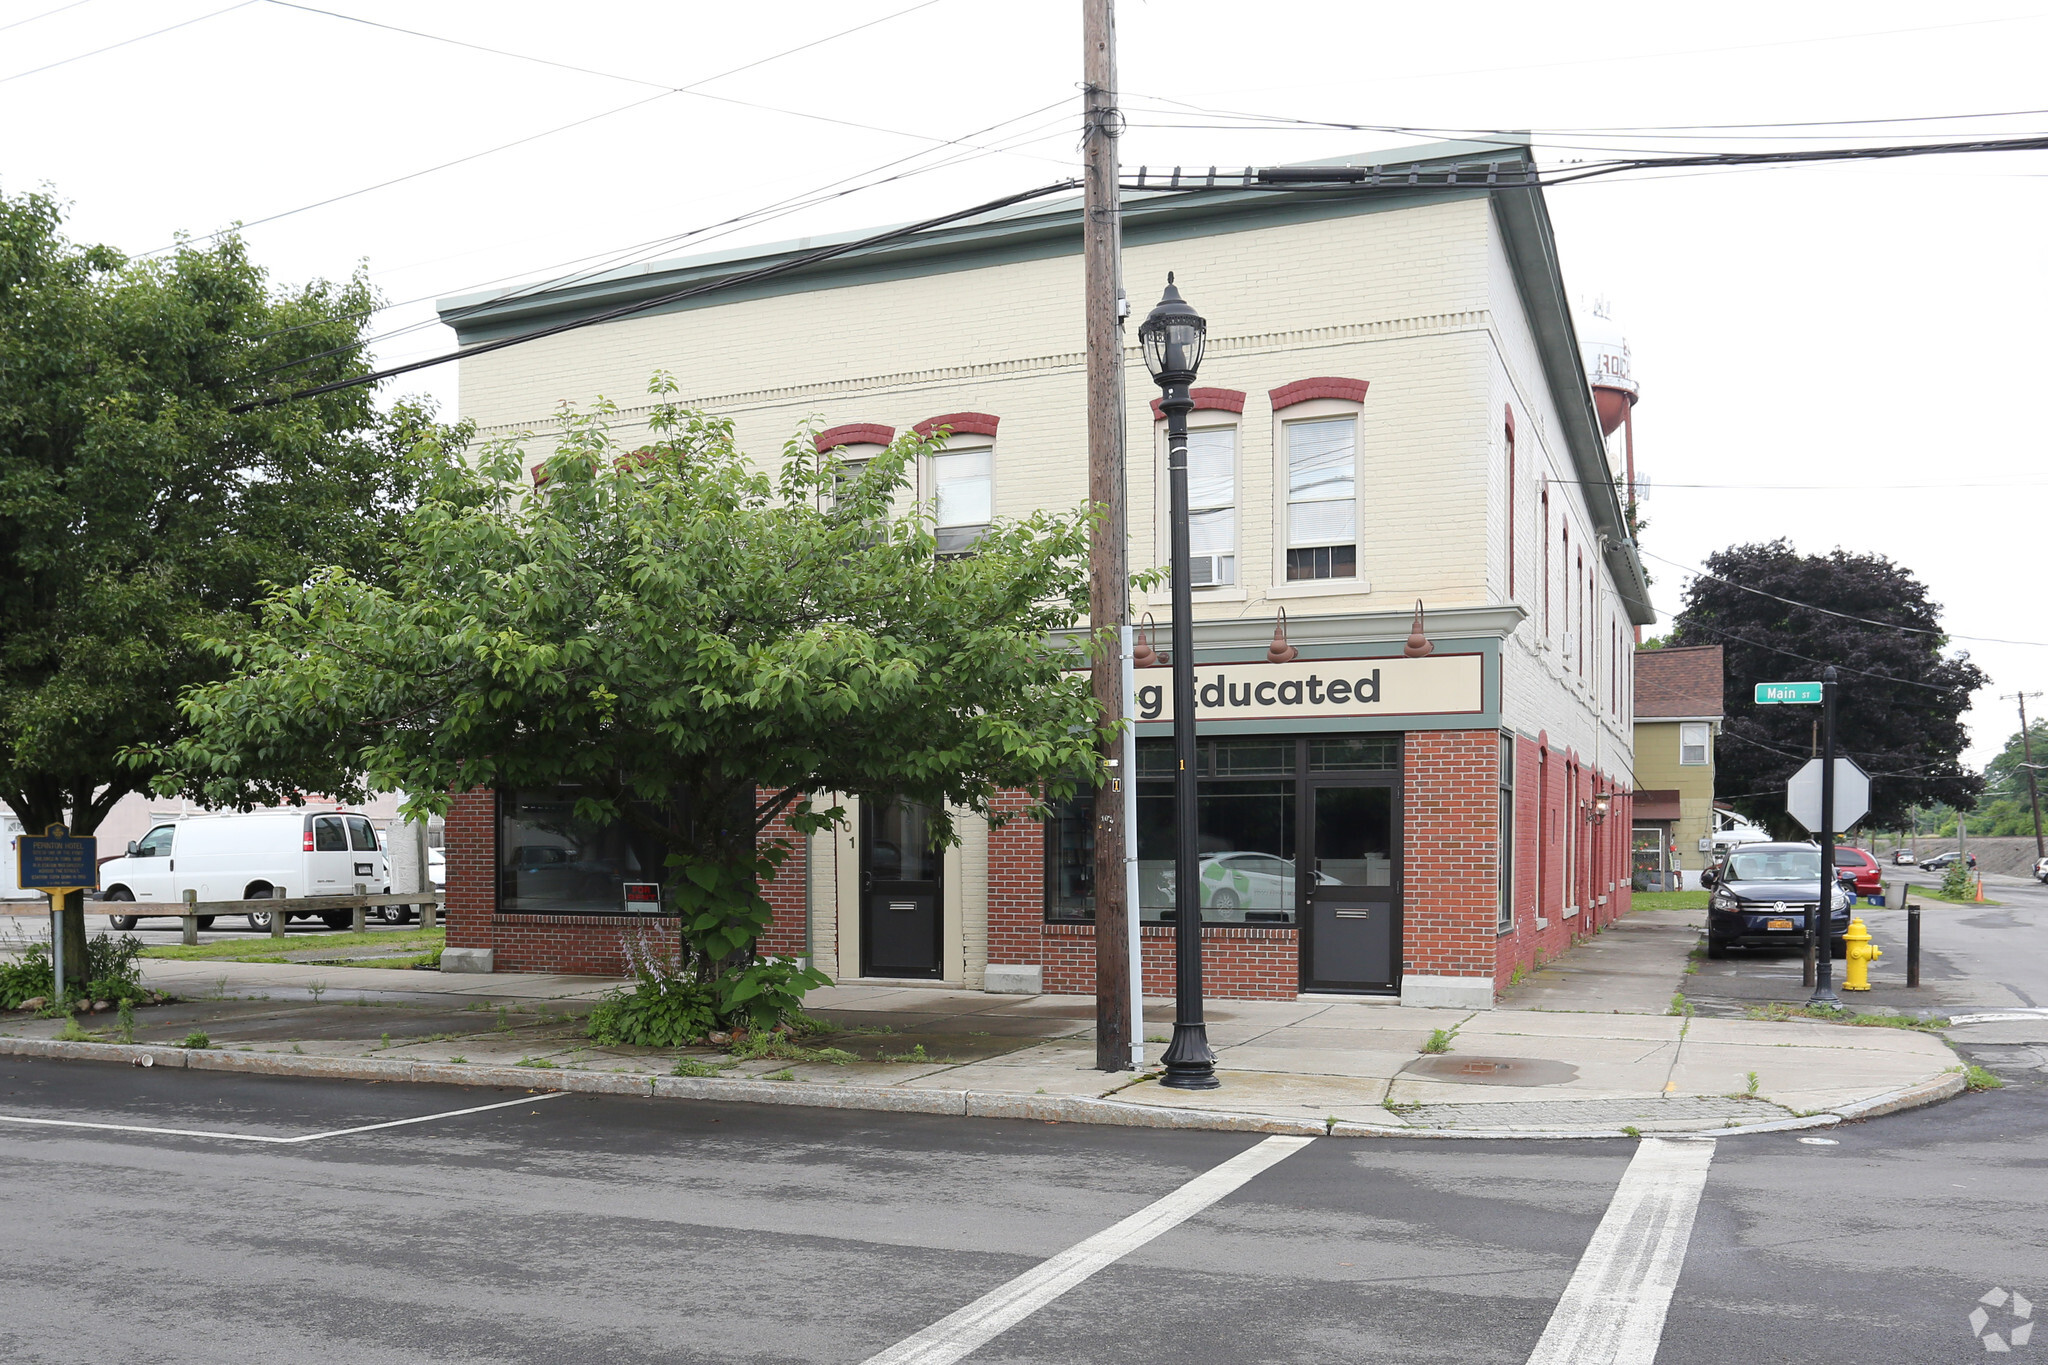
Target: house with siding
1678, 720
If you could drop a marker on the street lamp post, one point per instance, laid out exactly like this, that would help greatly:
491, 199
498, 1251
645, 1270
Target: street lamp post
1172, 338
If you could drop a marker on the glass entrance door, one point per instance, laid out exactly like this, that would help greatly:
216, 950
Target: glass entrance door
1351, 889
901, 917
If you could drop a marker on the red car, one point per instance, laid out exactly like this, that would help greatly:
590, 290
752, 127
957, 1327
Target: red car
1869, 874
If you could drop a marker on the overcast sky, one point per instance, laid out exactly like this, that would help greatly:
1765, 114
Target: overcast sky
1841, 352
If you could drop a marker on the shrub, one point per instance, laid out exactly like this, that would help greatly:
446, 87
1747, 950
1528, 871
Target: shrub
111, 972
1956, 882
669, 1006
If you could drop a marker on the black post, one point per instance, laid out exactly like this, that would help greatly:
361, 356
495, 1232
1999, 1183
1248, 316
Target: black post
1190, 1062
1824, 996
1912, 945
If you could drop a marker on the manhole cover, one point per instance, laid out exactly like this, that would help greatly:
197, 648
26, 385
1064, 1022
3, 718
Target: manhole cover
1469, 1070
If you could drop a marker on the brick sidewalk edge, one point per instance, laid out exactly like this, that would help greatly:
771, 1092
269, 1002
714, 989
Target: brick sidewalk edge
891, 1099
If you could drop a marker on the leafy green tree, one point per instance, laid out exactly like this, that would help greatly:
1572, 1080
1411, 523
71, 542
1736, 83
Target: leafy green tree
672, 631
1778, 615
139, 506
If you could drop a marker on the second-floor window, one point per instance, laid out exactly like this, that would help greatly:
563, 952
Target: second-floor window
1322, 499
963, 487
1692, 745
1212, 507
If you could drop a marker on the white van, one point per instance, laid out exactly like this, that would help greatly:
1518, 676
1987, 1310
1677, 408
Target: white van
260, 855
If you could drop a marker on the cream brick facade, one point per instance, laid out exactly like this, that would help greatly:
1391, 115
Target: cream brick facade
1444, 303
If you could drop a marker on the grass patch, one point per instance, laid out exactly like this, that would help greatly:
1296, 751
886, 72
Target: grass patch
266, 949
1977, 1078
1668, 900
1776, 1013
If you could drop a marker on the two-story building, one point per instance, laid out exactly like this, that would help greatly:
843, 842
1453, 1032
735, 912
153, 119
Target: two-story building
1678, 717
1392, 410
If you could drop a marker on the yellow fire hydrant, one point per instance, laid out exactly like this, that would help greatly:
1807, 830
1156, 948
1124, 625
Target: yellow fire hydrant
1861, 951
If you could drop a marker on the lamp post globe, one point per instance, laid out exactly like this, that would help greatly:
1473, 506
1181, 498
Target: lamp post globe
1172, 338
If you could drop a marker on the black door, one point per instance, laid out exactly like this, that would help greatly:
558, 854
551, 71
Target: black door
900, 904
1351, 889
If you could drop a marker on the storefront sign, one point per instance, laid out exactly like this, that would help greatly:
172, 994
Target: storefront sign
1312, 689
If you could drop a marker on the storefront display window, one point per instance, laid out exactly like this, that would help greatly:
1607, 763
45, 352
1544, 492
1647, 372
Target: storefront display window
550, 862
1250, 792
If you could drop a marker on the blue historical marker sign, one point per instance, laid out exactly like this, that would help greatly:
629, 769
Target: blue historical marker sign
56, 861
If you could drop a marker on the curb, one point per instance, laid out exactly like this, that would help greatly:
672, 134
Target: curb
888, 1099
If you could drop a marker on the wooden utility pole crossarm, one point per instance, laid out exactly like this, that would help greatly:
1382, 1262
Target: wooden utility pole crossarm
1108, 579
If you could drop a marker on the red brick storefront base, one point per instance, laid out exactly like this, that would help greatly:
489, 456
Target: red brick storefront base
578, 944
1237, 963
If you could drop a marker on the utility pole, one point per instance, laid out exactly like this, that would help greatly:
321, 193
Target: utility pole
2033, 787
1108, 578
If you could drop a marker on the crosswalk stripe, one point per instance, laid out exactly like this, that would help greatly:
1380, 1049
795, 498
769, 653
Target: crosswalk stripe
1612, 1312
967, 1329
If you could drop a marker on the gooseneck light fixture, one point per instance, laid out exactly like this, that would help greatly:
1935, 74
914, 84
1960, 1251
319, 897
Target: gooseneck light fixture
1172, 339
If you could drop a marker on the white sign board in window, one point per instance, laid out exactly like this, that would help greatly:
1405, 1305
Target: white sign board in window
1314, 689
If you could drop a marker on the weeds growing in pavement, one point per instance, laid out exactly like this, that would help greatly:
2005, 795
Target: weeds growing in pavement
541, 1062
1631, 1130
691, 1066
916, 1054
783, 1075
1752, 1085
127, 1018
1439, 1040
1977, 1078
316, 989
756, 1046
1777, 1013
72, 1033
1680, 1006
196, 1039
296, 1049
459, 1060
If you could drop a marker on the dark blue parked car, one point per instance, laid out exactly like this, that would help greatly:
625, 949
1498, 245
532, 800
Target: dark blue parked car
1762, 894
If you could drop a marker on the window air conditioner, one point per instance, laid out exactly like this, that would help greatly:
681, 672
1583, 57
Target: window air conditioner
1212, 571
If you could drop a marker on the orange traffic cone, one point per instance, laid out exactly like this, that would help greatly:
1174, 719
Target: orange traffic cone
1980, 886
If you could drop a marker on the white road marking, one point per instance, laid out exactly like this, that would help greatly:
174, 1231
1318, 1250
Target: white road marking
259, 1137
2018, 1014
995, 1312
1612, 1312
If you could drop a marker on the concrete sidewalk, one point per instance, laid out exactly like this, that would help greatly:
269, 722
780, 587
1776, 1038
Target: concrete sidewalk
1584, 1048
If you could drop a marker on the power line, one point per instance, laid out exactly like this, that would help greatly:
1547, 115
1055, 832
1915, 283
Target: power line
674, 296
1807, 658
618, 258
1843, 615
125, 42
44, 15
661, 94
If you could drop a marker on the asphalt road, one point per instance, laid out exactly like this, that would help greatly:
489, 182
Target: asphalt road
587, 1228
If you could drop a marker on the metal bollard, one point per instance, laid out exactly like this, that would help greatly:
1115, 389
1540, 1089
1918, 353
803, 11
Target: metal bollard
357, 920
1913, 945
191, 917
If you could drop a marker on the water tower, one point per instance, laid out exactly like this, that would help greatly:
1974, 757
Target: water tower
1605, 352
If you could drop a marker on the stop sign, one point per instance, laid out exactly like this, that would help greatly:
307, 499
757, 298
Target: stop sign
1852, 794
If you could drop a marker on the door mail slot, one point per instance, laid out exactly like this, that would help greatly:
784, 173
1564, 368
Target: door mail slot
903, 905
1354, 914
